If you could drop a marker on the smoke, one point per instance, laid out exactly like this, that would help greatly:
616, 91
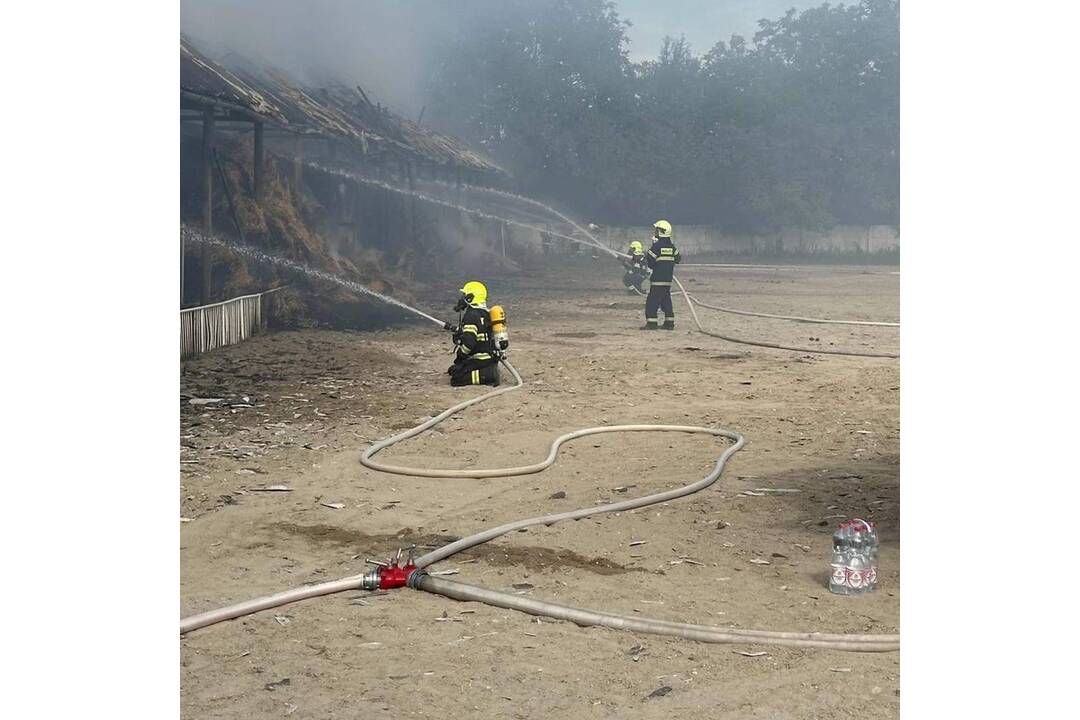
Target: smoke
381, 45
385, 45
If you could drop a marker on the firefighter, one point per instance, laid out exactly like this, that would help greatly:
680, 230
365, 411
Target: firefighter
547, 243
661, 259
636, 269
476, 359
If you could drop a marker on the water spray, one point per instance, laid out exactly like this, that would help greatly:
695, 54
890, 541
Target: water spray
535, 203
191, 235
592, 242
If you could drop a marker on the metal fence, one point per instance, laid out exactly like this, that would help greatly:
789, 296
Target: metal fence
209, 327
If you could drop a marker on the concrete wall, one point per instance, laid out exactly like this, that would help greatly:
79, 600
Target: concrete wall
705, 239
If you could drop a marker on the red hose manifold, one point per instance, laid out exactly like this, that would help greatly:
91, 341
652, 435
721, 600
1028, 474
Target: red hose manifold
388, 575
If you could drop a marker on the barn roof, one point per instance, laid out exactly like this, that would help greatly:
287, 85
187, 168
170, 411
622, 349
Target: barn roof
244, 89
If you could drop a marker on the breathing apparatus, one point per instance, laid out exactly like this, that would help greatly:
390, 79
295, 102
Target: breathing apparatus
498, 328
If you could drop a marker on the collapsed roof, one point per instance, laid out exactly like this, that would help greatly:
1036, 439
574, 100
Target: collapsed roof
243, 90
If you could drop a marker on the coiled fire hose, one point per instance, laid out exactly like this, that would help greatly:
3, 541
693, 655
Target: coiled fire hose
461, 591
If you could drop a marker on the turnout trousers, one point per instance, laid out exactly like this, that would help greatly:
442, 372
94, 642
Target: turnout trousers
659, 298
633, 280
473, 373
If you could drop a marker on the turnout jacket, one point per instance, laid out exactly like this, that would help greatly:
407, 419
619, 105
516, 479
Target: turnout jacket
661, 258
474, 341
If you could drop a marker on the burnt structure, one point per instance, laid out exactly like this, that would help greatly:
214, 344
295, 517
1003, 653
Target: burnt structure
337, 126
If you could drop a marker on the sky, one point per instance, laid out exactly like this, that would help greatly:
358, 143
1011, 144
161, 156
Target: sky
704, 22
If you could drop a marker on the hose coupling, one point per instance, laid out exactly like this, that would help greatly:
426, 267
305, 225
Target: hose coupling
390, 574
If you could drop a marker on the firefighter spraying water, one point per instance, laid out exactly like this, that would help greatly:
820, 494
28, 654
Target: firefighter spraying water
636, 268
480, 338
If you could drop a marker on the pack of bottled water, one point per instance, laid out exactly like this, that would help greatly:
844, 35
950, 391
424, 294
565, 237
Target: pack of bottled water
854, 558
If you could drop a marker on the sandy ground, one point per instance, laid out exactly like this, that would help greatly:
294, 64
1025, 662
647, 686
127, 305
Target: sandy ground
297, 407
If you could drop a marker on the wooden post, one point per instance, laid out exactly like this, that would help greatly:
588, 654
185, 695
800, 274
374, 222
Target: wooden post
298, 165
356, 213
410, 174
208, 200
381, 199
257, 171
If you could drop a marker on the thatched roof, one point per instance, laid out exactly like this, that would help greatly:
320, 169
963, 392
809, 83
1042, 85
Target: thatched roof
203, 79
240, 87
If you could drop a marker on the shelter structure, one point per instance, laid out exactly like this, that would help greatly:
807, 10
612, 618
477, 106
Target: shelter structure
338, 125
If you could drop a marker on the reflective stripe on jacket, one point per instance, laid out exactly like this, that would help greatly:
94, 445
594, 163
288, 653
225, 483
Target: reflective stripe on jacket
661, 258
476, 342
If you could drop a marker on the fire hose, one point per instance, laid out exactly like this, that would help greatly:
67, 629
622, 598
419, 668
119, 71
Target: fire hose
691, 301
391, 575
794, 318
693, 313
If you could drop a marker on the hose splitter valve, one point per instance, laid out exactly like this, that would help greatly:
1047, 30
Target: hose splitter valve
390, 574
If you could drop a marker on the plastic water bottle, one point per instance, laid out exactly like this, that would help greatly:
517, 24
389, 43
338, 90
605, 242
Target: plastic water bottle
856, 566
872, 558
838, 577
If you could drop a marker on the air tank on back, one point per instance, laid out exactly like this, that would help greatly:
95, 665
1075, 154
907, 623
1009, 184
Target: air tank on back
498, 328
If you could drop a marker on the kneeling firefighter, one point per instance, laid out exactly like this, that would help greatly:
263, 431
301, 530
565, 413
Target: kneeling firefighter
480, 338
661, 259
636, 268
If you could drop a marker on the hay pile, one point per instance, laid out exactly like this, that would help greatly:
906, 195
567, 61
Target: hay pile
290, 223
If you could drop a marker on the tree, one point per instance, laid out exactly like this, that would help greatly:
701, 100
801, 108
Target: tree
799, 126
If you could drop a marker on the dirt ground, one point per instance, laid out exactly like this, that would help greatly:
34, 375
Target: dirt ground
297, 408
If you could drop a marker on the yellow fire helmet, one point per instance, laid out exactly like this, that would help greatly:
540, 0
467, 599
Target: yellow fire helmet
636, 247
475, 293
663, 228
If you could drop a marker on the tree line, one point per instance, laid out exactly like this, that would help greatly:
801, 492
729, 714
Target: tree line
796, 126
